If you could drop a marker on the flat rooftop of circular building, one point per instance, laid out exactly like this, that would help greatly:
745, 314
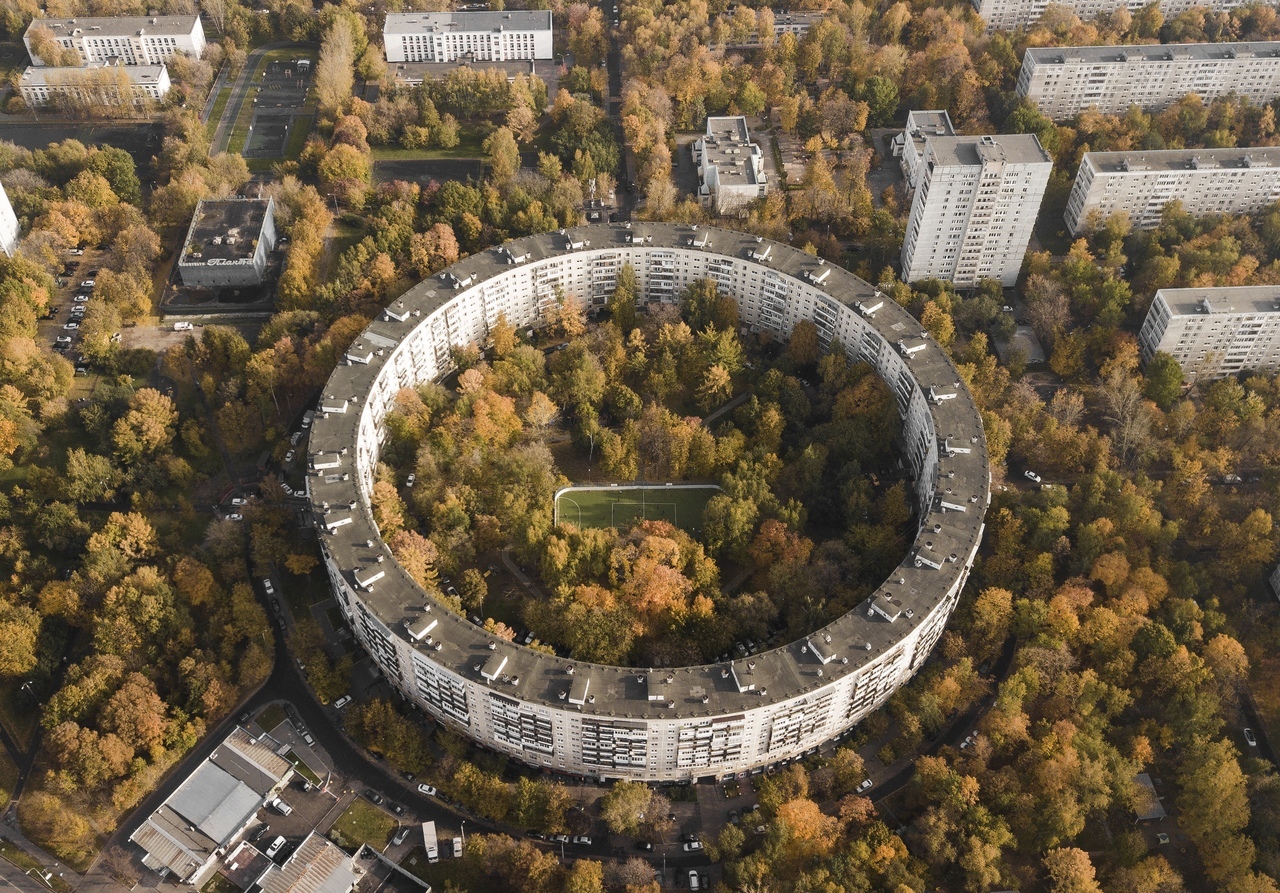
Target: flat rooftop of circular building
950, 526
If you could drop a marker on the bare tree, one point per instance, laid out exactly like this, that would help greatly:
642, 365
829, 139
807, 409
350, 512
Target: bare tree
1049, 308
1124, 407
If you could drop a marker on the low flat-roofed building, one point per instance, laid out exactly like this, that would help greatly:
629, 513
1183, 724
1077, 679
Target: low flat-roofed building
134, 40
1064, 81
1141, 184
317, 866
8, 225
908, 146
730, 166
100, 84
1214, 332
499, 36
212, 807
228, 242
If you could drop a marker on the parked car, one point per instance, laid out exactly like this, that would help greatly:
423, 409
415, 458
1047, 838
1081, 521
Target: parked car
275, 606
560, 838
374, 797
396, 808
865, 786
412, 479
71, 326
693, 846
88, 283
582, 840
62, 342
259, 833
644, 846
238, 500
267, 587
276, 846
80, 299
401, 836
1031, 476
694, 882
281, 807
427, 789
235, 516
1249, 738
288, 457
182, 327
342, 702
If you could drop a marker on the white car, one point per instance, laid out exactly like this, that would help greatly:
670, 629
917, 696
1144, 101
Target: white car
80, 299
288, 457
426, 789
63, 339
72, 325
693, 846
1249, 738
275, 847
182, 327
88, 283
865, 786
1031, 476
582, 840
342, 702
695, 882
238, 500
235, 516
267, 587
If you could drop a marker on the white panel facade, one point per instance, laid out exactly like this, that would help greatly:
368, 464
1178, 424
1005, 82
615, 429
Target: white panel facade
132, 40
1214, 332
975, 209
511, 36
668, 724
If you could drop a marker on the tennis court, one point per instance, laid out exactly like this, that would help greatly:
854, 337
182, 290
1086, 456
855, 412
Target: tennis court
624, 506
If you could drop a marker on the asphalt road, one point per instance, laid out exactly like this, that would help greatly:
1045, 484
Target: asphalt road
14, 880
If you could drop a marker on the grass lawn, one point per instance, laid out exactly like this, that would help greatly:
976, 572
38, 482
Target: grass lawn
445, 871
219, 106
298, 137
302, 768
8, 776
470, 145
362, 823
622, 506
270, 718
219, 884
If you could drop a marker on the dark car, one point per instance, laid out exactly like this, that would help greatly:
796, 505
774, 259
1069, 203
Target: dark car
275, 606
260, 833
396, 808
374, 797
644, 846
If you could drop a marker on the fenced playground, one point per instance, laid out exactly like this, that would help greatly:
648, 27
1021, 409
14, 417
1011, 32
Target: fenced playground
622, 505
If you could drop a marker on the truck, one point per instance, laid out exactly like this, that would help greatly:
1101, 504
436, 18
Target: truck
429, 841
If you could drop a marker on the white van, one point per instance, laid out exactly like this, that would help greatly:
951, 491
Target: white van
275, 847
182, 327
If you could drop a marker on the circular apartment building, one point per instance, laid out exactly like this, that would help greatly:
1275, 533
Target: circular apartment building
642, 723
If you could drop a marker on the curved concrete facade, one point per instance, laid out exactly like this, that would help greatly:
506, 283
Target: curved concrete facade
650, 724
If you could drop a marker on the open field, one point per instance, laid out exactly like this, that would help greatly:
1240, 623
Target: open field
622, 506
362, 823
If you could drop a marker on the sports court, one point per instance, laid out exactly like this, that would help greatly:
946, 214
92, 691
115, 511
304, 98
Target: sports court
621, 506
279, 107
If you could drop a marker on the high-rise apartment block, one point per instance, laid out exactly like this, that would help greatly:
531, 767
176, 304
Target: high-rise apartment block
1064, 81
8, 225
975, 208
475, 36
730, 166
128, 40
1214, 332
908, 146
1006, 15
1206, 181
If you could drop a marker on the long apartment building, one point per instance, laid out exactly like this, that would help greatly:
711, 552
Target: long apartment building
1064, 81
97, 83
797, 23
730, 166
648, 724
1214, 332
8, 225
975, 208
130, 40
1141, 184
1006, 15
476, 36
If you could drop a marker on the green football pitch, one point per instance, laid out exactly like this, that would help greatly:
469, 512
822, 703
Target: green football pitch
623, 506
